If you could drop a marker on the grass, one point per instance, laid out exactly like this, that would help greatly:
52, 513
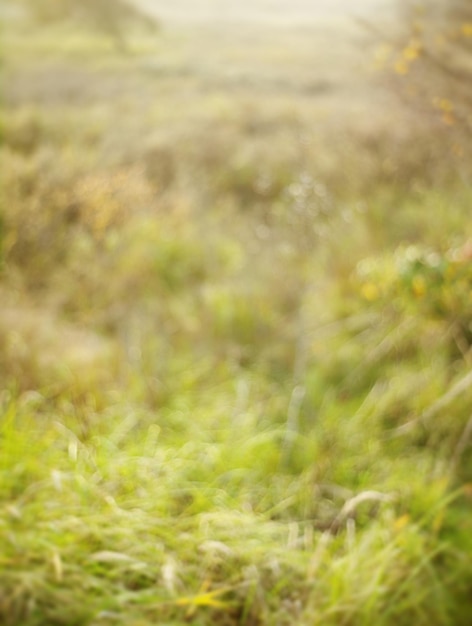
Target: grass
234, 346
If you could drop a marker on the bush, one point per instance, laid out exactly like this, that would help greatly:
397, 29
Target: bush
432, 63
111, 17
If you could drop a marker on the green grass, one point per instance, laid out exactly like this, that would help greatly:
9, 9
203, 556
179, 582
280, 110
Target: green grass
234, 351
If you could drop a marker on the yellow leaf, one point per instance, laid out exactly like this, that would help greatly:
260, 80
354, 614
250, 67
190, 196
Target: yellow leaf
412, 50
401, 522
57, 566
419, 286
466, 29
204, 598
370, 291
410, 54
401, 67
445, 105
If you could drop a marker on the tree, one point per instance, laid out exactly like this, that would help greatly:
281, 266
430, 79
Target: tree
112, 17
428, 62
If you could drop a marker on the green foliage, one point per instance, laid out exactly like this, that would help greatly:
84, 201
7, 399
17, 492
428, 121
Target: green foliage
411, 274
235, 369
431, 286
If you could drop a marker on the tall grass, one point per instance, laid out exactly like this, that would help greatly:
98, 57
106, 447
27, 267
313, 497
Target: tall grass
234, 355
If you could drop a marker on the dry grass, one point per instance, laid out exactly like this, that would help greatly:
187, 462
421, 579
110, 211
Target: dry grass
216, 343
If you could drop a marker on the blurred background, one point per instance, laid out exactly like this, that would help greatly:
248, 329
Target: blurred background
146, 140
235, 255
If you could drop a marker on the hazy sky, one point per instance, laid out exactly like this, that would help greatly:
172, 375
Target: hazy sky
277, 11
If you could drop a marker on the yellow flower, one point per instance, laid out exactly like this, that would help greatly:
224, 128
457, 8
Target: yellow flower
419, 286
370, 291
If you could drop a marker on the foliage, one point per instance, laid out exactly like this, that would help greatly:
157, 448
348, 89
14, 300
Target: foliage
235, 369
432, 62
421, 280
112, 17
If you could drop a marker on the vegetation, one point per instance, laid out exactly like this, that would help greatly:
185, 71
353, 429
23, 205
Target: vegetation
431, 58
235, 340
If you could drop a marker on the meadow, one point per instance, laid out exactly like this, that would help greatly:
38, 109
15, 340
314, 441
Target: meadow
235, 333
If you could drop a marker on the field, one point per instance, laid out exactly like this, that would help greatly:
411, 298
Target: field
235, 329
